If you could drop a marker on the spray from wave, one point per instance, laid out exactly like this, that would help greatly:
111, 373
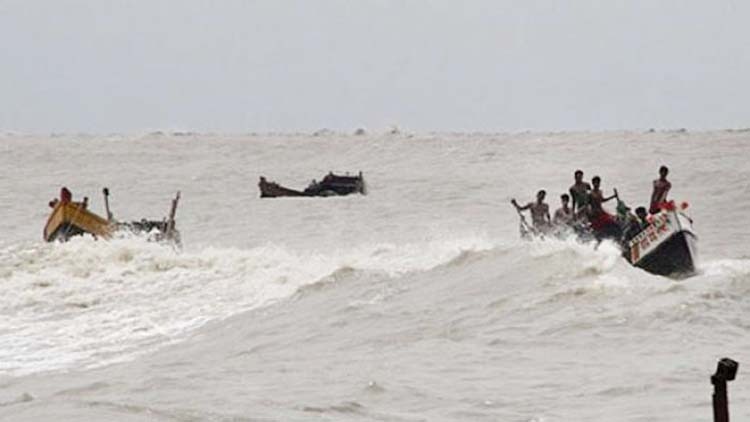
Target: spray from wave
93, 303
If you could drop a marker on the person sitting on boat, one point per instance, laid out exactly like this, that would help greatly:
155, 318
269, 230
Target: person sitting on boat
580, 191
629, 223
539, 211
661, 189
603, 224
623, 213
642, 215
564, 215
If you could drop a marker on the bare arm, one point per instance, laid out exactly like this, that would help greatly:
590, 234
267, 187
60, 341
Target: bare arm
573, 199
518, 207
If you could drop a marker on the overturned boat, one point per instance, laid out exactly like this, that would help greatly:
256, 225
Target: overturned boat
70, 218
331, 185
667, 246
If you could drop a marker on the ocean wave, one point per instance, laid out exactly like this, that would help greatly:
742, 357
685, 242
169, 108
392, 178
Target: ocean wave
92, 303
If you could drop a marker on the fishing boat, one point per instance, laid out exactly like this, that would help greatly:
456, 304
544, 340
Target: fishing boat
330, 185
70, 218
667, 246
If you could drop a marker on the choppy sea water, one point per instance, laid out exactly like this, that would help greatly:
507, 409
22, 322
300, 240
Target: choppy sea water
416, 302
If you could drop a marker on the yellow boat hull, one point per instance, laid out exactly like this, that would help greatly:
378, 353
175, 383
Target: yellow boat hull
71, 219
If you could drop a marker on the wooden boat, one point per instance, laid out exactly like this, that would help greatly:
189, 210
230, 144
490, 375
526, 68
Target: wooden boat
69, 218
331, 185
667, 246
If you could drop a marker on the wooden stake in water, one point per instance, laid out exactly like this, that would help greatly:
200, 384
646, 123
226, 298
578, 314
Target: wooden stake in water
726, 370
105, 191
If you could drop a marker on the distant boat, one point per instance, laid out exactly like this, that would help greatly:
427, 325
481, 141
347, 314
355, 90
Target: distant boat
69, 219
331, 185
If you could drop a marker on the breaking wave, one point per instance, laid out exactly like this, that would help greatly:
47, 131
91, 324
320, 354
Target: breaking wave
92, 303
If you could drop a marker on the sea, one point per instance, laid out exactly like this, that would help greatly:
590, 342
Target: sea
415, 302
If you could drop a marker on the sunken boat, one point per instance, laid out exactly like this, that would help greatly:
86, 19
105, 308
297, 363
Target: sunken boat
330, 185
70, 218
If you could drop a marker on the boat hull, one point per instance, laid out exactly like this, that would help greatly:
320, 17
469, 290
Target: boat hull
274, 190
666, 247
70, 219
330, 185
674, 258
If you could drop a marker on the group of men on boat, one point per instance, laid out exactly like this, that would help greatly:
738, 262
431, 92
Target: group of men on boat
584, 215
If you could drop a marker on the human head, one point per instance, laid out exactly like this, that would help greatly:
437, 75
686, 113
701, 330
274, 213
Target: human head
565, 198
596, 181
578, 175
540, 195
663, 171
641, 212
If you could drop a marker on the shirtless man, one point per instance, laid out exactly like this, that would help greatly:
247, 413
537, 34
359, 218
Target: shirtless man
539, 211
661, 189
564, 215
580, 191
603, 224
597, 198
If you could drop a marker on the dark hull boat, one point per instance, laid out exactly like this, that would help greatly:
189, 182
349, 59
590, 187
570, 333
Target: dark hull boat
666, 247
331, 185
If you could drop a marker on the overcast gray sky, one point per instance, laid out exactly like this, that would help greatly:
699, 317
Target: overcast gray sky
500, 65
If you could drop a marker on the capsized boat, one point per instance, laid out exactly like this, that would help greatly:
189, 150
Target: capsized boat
331, 185
70, 218
667, 246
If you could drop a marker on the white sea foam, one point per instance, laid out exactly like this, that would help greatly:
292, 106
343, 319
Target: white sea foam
88, 302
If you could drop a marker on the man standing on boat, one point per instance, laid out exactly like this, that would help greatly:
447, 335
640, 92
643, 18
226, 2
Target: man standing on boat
604, 225
661, 189
580, 191
539, 211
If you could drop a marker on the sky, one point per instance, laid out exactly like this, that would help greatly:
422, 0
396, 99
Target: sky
282, 65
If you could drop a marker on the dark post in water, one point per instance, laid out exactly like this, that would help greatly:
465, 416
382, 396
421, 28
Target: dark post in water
726, 370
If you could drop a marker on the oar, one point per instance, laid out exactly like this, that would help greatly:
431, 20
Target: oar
172, 211
524, 224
